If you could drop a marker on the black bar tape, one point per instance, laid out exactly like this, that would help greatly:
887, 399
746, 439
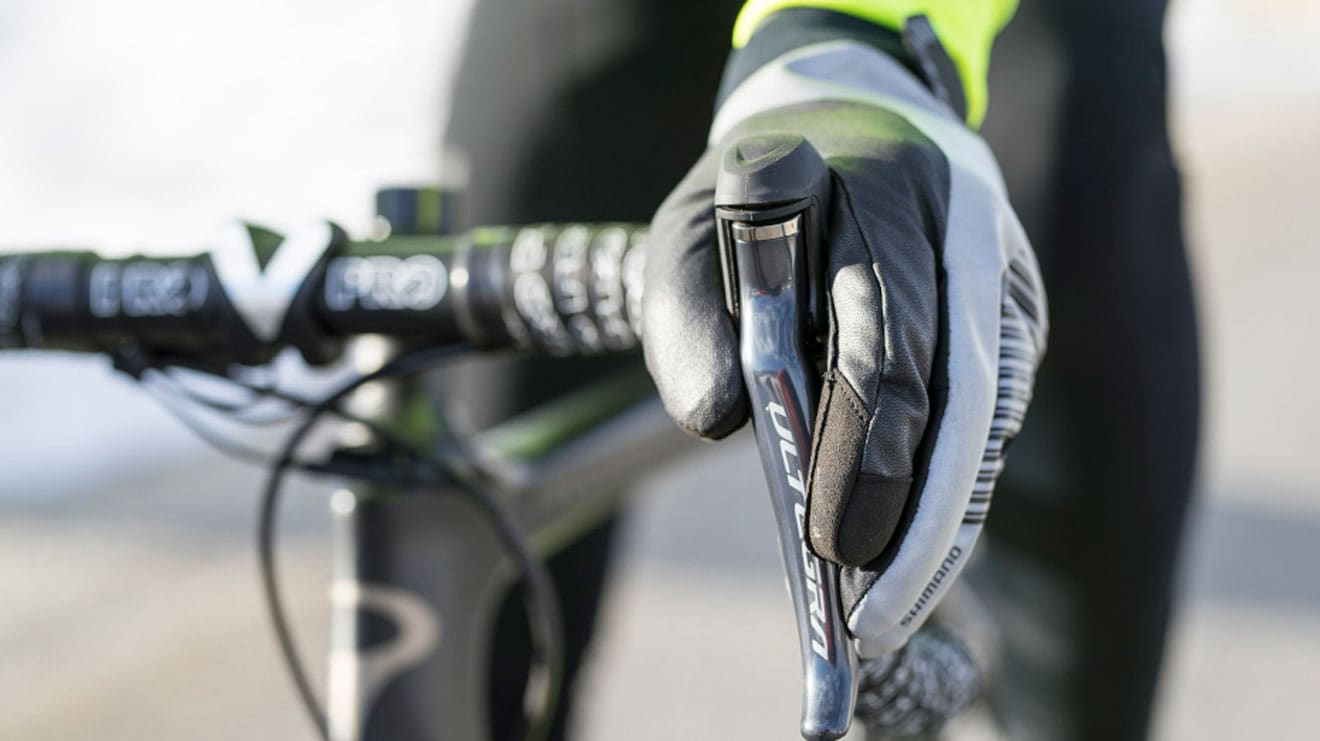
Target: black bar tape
561, 289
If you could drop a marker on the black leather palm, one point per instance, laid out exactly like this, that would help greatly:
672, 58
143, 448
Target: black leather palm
887, 220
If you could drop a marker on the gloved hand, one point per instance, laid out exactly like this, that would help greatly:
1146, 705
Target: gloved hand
937, 324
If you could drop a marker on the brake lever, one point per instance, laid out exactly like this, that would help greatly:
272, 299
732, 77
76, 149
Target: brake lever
771, 199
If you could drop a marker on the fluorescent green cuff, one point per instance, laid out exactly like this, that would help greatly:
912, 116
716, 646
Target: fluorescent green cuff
967, 28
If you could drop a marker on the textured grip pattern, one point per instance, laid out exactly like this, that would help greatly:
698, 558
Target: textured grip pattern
917, 689
575, 289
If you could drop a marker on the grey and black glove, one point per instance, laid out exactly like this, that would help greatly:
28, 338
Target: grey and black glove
937, 323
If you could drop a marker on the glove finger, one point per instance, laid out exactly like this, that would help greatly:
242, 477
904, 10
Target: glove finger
689, 340
875, 400
996, 328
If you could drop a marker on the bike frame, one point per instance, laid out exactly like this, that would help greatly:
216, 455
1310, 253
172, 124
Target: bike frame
418, 579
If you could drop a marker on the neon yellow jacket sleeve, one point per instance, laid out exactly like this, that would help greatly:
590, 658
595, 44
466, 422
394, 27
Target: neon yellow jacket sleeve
967, 28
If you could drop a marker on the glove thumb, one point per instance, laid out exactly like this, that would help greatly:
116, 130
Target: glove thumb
689, 340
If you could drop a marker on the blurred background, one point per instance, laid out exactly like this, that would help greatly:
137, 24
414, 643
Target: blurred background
130, 604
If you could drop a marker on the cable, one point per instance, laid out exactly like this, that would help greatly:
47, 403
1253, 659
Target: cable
170, 394
201, 429
296, 405
239, 411
541, 600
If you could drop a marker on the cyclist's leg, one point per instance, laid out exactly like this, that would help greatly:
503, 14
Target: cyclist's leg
1089, 515
575, 110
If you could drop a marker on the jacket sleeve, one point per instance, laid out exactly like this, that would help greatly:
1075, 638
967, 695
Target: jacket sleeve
966, 28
